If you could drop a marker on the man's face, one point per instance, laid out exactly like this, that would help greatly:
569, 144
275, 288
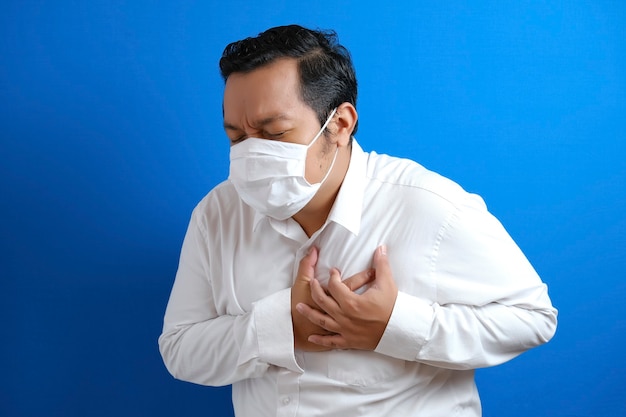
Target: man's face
266, 104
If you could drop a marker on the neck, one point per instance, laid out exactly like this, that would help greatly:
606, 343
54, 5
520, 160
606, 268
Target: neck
313, 216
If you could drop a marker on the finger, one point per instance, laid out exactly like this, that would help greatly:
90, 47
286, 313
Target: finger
335, 341
339, 292
358, 280
323, 300
318, 318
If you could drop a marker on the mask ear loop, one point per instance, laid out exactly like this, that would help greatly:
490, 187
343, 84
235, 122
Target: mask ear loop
330, 117
330, 168
332, 164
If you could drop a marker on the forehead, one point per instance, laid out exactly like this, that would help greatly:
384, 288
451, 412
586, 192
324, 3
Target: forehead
274, 88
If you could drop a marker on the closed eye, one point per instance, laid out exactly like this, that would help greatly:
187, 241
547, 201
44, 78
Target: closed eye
277, 135
237, 140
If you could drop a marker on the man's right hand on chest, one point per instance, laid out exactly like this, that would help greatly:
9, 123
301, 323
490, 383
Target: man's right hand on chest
301, 293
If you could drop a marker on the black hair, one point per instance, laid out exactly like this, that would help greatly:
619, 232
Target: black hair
327, 76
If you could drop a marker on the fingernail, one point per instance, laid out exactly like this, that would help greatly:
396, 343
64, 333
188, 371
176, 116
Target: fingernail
383, 250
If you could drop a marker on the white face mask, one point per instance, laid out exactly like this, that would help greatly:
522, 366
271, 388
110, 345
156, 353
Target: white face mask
269, 174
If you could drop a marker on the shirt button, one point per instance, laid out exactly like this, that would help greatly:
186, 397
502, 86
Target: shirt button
286, 400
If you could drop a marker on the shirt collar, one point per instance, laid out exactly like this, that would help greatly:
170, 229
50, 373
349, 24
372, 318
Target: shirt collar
349, 202
348, 205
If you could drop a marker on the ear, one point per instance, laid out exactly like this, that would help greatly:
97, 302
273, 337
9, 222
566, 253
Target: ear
345, 120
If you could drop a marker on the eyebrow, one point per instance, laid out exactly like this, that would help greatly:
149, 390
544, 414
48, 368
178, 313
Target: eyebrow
260, 123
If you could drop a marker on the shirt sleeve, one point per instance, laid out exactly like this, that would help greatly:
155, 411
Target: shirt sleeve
490, 305
202, 344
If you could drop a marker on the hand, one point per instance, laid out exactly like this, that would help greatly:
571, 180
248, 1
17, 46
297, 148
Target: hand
301, 294
350, 320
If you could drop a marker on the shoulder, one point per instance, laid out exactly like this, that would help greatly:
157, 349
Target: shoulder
220, 206
412, 179
222, 195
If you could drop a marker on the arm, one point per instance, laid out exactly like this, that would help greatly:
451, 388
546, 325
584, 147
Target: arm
211, 344
491, 305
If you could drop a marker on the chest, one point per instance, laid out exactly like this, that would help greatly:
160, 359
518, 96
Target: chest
265, 261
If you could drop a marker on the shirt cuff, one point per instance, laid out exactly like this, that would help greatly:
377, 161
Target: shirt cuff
408, 328
272, 316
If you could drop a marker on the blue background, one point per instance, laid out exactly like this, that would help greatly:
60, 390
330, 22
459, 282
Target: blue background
110, 127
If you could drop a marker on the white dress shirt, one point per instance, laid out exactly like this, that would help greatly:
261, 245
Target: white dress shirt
468, 298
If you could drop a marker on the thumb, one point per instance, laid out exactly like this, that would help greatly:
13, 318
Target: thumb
381, 263
306, 269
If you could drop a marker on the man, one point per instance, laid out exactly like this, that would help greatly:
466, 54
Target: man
323, 280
